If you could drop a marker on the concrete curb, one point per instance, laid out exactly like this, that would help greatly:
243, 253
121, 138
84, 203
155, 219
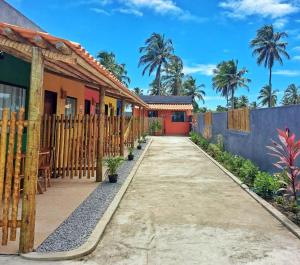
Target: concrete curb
92, 242
271, 209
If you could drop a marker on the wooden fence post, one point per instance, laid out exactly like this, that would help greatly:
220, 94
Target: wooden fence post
32, 151
140, 122
99, 173
122, 123
133, 126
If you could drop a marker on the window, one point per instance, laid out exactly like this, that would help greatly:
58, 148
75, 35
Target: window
153, 114
178, 116
71, 106
12, 97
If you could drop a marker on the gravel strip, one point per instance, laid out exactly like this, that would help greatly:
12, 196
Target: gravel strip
77, 228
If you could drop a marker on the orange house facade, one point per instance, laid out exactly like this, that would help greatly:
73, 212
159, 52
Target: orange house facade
174, 112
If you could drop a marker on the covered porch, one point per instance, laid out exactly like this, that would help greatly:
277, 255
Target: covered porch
75, 144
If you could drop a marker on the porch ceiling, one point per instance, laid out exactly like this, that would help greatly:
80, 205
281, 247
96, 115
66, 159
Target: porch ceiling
63, 57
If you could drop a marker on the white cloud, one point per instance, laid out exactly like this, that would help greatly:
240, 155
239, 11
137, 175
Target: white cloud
204, 69
137, 8
100, 11
129, 11
297, 48
265, 8
287, 72
159, 6
280, 23
297, 58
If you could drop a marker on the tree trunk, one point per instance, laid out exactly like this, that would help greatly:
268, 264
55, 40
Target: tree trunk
157, 79
270, 84
232, 99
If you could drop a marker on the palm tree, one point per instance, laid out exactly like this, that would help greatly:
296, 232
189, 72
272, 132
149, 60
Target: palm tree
174, 75
267, 96
291, 95
156, 54
138, 91
108, 60
191, 89
243, 102
236, 78
221, 109
268, 47
154, 90
220, 80
228, 78
253, 105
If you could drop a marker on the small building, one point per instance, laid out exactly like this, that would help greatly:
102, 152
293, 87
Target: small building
174, 113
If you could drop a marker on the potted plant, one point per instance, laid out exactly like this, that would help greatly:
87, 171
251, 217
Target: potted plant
140, 144
113, 164
130, 154
155, 127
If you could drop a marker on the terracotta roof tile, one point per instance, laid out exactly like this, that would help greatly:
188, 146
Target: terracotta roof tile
78, 49
170, 106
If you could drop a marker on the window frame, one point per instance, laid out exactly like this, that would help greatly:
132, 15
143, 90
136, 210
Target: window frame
176, 118
67, 113
23, 99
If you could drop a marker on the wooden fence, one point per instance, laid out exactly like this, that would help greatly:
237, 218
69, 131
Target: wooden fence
239, 120
11, 168
207, 125
73, 142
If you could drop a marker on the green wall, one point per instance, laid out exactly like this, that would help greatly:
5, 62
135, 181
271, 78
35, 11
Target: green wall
14, 71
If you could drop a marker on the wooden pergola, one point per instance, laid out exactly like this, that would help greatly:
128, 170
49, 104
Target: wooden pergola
56, 55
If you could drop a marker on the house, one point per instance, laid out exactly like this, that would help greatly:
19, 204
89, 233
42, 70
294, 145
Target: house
62, 94
173, 112
49, 75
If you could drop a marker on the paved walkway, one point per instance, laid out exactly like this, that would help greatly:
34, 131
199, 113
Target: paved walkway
182, 209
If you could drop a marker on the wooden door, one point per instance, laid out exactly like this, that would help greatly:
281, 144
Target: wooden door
50, 102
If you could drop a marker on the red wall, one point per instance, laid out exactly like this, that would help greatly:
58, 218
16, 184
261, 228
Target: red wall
92, 95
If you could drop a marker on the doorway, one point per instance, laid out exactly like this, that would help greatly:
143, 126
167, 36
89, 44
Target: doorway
50, 102
87, 107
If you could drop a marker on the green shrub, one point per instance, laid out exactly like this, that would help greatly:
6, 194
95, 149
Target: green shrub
199, 140
226, 159
194, 137
266, 185
248, 172
203, 143
214, 151
236, 164
220, 142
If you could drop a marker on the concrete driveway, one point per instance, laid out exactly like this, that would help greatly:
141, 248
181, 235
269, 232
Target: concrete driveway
182, 209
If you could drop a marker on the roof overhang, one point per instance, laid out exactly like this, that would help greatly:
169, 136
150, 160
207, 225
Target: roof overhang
64, 57
182, 107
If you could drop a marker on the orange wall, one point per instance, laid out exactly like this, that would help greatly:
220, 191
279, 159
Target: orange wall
73, 88
173, 128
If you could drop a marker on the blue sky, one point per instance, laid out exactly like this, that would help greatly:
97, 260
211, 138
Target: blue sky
203, 32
